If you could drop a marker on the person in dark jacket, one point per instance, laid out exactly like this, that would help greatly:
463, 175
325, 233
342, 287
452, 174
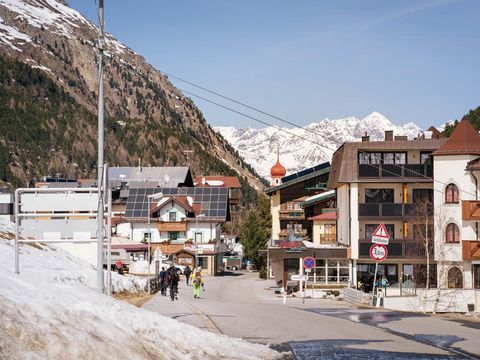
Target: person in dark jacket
172, 281
162, 280
187, 272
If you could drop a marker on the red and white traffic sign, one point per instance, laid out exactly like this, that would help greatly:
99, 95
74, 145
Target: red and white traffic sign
309, 262
378, 252
380, 236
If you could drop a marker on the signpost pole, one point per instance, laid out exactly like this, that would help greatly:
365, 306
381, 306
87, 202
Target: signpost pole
374, 283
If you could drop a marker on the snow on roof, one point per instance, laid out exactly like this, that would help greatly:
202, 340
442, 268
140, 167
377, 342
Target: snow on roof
53, 311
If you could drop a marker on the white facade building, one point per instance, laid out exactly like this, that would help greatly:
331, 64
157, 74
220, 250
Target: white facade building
457, 245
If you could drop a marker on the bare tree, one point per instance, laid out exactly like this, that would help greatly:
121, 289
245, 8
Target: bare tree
423, 235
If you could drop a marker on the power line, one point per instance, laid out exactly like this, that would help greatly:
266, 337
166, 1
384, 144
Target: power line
290, 123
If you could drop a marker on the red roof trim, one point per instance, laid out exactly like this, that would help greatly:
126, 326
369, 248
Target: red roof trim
327, 216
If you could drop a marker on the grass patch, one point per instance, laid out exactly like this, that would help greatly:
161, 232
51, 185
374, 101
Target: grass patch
137, 299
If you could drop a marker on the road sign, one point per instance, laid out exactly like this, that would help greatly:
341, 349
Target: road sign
299, 277
378, 252
309, 262
380, 235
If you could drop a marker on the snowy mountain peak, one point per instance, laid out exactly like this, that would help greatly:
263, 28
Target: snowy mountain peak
258, 146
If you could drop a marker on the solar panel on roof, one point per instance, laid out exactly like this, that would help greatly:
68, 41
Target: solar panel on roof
212, 206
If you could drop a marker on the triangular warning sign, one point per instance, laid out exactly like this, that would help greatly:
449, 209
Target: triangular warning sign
381, 232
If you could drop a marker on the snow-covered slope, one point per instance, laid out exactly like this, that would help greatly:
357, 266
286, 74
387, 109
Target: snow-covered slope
258, 146
51, 311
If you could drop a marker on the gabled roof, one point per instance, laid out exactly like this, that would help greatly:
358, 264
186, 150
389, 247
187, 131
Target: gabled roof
164, 176
217, 181
327, 195
463, 141
473, 165
332, 215
182, 201
301, 176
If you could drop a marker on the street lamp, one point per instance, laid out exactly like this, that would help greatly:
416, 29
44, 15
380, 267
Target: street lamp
195, 238
155, 196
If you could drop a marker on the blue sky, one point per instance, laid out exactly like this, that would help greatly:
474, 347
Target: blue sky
308, 60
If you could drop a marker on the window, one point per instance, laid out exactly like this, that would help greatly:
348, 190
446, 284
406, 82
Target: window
451, 194
172, 216
476, 276
400, 158
376, 196
388, 158
377, 158
173, 235
422, 196
452, 234
370, 229
198, 237
203, 262
455, 278
426, 158
363, 158
331, 271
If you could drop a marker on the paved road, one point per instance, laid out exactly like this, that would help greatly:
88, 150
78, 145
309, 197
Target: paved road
241, 305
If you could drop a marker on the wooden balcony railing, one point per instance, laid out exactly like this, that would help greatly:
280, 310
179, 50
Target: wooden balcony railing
291, 214
470, 250
328, 238
471, 210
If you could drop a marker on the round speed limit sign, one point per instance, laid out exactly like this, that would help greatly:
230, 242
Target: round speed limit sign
378, 252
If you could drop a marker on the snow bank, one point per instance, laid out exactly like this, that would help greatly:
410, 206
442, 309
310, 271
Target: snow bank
51, 311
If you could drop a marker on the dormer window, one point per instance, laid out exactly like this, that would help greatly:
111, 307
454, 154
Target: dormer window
172, 216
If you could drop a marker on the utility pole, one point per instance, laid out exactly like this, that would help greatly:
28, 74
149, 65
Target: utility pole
100, 179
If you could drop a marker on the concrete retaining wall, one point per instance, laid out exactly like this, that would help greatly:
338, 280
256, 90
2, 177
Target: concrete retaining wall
435, 300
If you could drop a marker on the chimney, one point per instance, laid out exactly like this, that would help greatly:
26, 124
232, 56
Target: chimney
388, 135
203, 181
365, 138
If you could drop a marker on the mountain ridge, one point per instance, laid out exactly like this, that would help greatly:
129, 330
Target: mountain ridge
301, 148
146, 116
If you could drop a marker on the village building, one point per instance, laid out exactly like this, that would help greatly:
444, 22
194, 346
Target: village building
457, 215
296, 201
386, 182
184, 223
6, 205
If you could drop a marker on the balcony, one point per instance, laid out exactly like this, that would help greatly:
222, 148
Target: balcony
471, 210
470, 250
389, 171
283, 234
172, 226
328, 239
234, 200
405, 248
293, 214
391, 210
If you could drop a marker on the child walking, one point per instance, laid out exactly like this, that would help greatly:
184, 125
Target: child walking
197, 283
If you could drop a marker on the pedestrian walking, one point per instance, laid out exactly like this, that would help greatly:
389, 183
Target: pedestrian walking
198, 283
187, 273
172, 281
162, 280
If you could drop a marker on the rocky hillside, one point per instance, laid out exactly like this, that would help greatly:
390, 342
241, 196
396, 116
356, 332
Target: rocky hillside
49, 87
300, 149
